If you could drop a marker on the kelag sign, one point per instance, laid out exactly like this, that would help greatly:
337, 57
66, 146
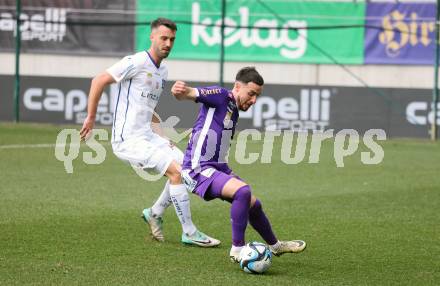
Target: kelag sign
256, 31
407, 35
287, 37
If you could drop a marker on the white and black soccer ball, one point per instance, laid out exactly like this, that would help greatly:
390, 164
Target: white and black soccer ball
255, 257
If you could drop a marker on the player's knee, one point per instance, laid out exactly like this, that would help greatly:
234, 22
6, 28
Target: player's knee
173, 174
244, 193
174, 177
257, 207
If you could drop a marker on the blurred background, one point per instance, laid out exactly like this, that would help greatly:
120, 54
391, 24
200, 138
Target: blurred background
327, 64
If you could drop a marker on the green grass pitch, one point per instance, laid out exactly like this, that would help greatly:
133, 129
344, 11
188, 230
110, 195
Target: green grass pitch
364, 224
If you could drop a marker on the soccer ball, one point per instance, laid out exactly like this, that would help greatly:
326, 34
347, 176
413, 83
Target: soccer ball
255, 257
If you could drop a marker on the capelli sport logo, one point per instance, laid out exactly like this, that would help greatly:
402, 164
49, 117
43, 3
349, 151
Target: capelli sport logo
422, 113
311, 111
71, 104
47, 26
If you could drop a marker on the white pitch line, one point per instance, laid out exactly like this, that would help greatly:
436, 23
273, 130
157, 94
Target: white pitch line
24, 146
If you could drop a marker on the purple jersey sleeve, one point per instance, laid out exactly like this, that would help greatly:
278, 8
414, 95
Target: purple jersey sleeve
212, 96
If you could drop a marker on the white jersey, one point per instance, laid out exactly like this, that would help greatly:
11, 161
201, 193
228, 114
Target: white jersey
140, 85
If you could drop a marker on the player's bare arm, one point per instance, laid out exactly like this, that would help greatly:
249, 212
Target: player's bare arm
99, 82
157, 127
181, 91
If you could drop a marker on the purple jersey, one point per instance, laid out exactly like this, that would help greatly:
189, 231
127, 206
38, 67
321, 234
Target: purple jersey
213, 130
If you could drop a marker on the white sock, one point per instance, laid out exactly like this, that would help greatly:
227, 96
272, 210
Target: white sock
236, 249
163, 202
276, 245
180, 199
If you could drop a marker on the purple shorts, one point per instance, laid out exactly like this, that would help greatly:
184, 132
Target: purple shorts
209, 183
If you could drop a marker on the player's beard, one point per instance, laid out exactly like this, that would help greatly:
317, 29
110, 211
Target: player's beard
241, 106
163, 53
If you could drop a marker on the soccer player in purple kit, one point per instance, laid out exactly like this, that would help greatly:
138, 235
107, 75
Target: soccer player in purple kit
205, 171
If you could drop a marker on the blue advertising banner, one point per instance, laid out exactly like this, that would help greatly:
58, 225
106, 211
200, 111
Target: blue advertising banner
400, 33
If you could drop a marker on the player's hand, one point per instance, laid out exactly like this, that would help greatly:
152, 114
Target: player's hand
87, 128
179, 89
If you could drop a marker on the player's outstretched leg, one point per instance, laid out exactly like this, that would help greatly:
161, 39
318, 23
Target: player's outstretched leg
241, 201
180, 199
238, 193
260, 222
190, 235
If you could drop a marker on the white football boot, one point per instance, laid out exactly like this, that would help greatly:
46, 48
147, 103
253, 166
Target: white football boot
200, 239
155, 223
293, 246
234, 254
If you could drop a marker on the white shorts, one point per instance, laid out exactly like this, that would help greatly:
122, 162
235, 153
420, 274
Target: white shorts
154, 153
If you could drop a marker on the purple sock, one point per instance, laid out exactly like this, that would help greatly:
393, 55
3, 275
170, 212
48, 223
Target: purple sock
240, 214
261, 223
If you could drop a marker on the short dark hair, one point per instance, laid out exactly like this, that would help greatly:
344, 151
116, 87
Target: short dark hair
249, 74
163, 22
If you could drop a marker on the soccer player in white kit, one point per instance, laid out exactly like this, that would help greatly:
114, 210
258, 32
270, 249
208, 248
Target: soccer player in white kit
136, 135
